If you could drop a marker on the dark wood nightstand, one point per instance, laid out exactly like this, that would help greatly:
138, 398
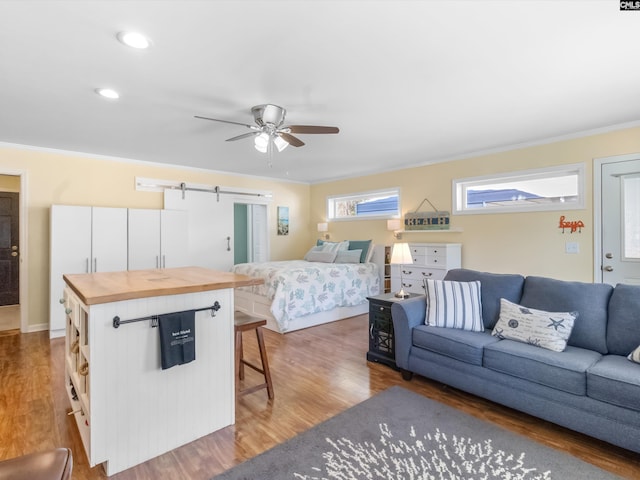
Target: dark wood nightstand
381, 343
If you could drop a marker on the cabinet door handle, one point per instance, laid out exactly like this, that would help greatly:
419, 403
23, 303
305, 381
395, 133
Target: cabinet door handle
86, 265
95, 265
408, 285
427, 274
157, 261
371, 330
164, 261
228, 244
67, 311
407, 272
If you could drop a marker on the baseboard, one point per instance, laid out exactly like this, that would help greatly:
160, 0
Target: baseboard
37, 327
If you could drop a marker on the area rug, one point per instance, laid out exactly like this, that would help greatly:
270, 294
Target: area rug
401, 435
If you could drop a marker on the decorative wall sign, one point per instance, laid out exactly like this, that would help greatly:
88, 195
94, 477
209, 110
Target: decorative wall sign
283, 220
573, 226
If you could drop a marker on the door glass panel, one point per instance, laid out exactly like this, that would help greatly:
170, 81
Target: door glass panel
631, 215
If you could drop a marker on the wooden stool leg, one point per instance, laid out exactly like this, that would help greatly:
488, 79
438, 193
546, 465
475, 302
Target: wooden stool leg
238, 355
241, 348
265, 362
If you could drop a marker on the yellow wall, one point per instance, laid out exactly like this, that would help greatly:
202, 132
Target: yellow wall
527, 243
59, 178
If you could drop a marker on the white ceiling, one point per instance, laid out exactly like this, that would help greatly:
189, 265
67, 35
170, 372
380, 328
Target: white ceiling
407, 82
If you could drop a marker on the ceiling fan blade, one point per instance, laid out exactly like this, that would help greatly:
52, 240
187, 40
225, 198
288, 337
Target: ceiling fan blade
312, 129
291, 140
244, 135
253, 127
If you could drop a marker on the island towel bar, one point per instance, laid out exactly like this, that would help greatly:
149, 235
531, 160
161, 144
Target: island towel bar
154, 318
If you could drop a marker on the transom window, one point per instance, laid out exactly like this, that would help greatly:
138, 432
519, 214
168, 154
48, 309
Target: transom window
553, 188
364, 205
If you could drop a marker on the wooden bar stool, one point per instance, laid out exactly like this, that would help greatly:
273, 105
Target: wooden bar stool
243, 323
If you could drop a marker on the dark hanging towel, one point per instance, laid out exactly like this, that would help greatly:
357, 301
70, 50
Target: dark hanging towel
177, 338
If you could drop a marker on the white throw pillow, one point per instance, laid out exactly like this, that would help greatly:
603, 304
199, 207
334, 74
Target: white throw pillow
320, 256
335, 246
635, 355
350, 256
548, 330
454, 305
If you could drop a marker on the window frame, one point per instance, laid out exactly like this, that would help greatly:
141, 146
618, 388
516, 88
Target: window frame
331, 199
460, 186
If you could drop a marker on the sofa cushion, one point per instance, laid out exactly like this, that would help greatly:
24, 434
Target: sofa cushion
454, 305
462, 345
615, 380
493, 287
623, 326
564, 371
590, 300
548, 330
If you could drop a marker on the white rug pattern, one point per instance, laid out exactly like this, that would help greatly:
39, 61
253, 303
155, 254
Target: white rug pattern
453, 458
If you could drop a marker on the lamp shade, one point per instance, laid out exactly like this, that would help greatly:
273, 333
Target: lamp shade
323, 227
401, 254
393, 224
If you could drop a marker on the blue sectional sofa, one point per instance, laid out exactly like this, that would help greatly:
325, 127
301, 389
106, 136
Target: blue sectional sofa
590, 387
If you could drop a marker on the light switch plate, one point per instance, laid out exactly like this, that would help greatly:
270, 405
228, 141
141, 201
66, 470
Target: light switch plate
571, 247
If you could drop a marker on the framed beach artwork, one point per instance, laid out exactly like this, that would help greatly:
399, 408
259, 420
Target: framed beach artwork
283, 220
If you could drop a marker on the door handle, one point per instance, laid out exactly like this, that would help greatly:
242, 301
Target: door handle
608, 268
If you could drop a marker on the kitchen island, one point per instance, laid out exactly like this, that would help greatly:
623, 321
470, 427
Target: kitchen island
127, 408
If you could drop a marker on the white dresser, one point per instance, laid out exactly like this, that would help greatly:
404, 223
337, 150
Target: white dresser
430, 260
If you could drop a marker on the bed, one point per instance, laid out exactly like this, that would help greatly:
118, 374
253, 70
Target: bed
298, 294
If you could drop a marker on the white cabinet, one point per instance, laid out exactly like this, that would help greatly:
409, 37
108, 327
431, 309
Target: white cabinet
157, 239
83, 240
430, 260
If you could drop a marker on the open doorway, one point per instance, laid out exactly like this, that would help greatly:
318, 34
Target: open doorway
250, 233
10, 227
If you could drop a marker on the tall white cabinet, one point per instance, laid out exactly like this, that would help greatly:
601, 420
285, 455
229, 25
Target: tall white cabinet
83, 240
157, 239
102, 239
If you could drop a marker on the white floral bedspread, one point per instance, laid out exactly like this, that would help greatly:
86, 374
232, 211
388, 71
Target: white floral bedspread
297, 287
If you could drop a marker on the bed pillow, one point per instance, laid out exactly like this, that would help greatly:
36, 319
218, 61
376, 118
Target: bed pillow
364, 246
453, 304
320, 256
548, 330
350, 256
333, 246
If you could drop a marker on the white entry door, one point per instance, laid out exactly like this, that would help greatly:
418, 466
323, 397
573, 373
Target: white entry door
620, 222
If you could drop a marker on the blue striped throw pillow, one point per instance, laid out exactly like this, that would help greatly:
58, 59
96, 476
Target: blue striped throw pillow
454, 304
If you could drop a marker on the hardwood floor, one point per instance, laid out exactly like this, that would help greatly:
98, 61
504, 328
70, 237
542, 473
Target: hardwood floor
317, 373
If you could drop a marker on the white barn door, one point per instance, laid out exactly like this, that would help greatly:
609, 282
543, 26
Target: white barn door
210, 220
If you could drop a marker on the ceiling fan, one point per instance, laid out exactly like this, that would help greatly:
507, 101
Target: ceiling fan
269, 130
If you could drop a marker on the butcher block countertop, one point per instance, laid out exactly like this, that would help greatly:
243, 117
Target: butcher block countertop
107, 287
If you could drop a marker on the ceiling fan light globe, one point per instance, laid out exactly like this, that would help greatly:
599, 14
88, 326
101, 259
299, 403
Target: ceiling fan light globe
280, 143
261, 142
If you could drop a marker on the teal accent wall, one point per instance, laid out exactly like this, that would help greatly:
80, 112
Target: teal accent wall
240, 233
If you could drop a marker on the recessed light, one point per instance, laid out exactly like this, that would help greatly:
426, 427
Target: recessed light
108, 93
134, 40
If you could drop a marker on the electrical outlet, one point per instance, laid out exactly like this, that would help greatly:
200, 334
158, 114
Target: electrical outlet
572, 247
